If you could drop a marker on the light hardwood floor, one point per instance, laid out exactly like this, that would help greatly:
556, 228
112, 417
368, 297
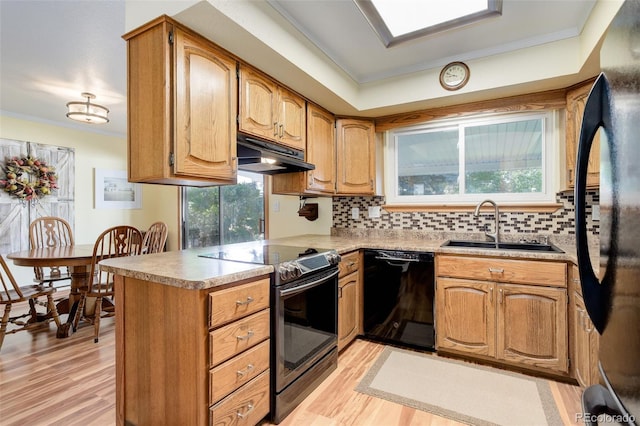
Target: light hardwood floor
44, 380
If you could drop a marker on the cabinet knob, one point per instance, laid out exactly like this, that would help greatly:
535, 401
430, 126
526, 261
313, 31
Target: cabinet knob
275, 129
496, 271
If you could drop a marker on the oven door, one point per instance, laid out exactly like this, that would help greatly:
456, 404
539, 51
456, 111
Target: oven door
305, 324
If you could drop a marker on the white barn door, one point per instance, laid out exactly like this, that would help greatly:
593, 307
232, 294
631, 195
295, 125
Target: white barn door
16, 215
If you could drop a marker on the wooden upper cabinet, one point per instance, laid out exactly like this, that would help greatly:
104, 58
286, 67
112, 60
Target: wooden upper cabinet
355, 142
576, 101
271, 111
321, 152
182, 99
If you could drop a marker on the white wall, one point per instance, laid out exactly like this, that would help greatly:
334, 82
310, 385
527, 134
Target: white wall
94, 150
285, 222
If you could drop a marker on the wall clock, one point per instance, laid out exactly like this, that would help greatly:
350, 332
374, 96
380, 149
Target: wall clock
454, 75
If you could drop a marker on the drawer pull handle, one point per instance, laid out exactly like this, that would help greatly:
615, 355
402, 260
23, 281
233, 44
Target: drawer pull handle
242, 373
496, 270
246, 302
246, 413
246, 336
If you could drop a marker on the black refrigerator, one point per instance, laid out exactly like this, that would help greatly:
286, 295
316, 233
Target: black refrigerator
612, 297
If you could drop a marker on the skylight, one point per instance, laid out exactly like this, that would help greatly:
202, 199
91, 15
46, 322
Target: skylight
396, 21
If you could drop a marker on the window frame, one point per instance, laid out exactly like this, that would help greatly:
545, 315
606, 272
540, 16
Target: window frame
550, 153
184, 235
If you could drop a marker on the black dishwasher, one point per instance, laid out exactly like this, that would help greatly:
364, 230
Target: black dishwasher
399, 298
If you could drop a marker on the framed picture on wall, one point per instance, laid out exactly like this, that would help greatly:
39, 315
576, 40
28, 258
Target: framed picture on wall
114, 191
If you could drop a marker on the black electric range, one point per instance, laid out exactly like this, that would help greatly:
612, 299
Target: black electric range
289, 262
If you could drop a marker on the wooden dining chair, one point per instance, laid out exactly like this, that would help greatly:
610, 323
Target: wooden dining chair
155, 238
11, 293
49, 231
117, 241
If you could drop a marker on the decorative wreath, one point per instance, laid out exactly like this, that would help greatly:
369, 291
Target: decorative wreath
38, 183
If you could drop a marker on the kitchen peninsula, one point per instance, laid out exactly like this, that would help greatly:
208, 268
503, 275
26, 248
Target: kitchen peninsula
172, 327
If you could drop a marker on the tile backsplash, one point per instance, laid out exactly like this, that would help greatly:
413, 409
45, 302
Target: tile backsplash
559, 223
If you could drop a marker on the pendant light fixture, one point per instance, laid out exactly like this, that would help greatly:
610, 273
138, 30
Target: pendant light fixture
86, 111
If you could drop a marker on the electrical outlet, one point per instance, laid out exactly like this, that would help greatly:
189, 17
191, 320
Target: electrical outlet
276, 205
374, 212
355, 213
595, 213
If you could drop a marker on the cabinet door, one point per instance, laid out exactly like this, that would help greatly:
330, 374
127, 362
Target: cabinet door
355, 157
576, 100
581, 341
205, 131
584, 342
532, 326
347, 309
258, 104
321, 150
291, 117
465, 316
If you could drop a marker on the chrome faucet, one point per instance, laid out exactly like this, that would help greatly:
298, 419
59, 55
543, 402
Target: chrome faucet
496, 234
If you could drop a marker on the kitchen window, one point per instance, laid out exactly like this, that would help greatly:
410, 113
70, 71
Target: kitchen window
508, 158
224, 214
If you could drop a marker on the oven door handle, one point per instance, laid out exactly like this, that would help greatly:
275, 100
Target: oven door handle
300, 289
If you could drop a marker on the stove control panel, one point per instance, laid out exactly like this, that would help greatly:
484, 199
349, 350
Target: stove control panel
293, 269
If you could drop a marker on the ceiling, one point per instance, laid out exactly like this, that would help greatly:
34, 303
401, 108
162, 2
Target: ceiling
52, 51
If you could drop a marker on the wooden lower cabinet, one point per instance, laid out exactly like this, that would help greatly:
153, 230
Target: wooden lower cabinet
349, 299
197, 357
465, 316
531, 326
584, 339
516, 323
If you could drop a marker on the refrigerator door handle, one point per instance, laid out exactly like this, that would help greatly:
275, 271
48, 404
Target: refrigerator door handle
596, 115
597, 400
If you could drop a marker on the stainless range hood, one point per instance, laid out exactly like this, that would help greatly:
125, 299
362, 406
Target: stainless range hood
259, 156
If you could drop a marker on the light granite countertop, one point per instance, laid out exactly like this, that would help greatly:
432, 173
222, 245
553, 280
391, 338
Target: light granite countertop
186, 269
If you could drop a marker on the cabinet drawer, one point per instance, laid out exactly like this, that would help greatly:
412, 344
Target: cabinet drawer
350, 262
230, 340
247, 406
236, 302
503, 270
230, 375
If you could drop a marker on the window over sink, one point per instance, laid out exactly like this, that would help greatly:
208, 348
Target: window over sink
508, 158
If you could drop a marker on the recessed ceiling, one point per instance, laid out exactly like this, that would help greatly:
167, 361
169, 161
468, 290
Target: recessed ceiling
52, 51
342, 32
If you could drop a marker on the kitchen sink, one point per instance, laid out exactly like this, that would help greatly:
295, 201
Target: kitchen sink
529, 246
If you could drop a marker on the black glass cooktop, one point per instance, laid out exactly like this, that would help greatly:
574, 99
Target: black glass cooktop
271, 254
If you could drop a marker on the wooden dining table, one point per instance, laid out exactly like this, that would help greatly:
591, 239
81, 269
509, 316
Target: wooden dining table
77, 257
